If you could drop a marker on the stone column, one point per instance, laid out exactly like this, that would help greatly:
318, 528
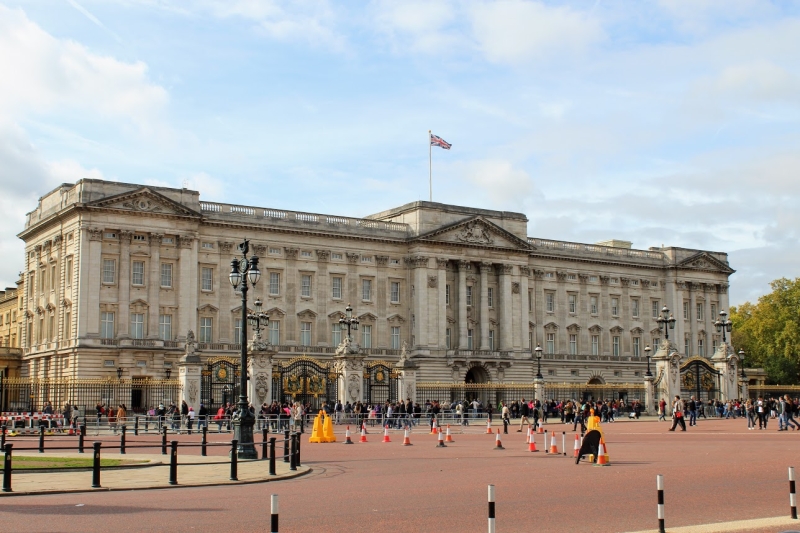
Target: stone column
605, 316
484, 315
259, 362
505, 316
92, 275
323, 295
722, 289
407, 387
154, 285
188, 284
726, 362
524, 325
350, 364
380, 337
692, 318
538, 389
291, 332
441, 265
420, 307
538, 306
668, 364
190, 375
463, 271
649, 395
124, 283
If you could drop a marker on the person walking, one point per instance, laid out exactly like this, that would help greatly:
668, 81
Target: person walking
749, 411
579, 418
190, 420
662, 410
761, 412
692, 411
677, 414
524, 412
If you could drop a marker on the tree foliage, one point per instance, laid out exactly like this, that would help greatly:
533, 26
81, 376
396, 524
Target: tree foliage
769, 332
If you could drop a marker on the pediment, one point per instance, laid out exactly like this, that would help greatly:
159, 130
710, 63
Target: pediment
307, 313
705, 261
396, 318
144, 200
276, 311
368, 317
476, 231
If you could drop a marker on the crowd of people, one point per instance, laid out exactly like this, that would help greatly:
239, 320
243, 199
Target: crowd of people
759, 411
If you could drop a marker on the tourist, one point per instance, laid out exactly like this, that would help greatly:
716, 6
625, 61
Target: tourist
524, 412
189, 420
662, 410
677, 414
505, 413
761, 412
750, 413
692, 411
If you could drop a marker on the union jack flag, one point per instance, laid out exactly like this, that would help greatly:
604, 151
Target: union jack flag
438, 141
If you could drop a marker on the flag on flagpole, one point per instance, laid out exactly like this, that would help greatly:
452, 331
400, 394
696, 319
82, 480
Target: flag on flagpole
438, 141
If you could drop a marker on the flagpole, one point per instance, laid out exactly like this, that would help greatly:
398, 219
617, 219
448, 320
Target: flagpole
430, 169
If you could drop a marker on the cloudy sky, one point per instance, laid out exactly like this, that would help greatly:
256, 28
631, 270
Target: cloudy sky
662, 122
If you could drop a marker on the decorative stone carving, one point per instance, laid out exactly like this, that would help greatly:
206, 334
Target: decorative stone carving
260, 250
125, 236
514, 287
682, 285
708, 287
57, 239
562, 276
186, 241
538, 274
723, 288
583, 278
323, 256
95, 234
472, 279
192, 391
420, 261
645, 283
525, 271
432, 281
142, 204
506, 269
464, 266
352, 258
262, 386
291, 253
225, 247
155, 239
625, 281
353, 388
476, 233
604, 280
382, 260
441, 263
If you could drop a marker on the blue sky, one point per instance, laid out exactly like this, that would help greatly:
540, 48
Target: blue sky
665, 122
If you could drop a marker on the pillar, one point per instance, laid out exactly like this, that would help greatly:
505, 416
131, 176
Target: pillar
189, 373
91, 280
292, 329
322, 291
407, 387
692, 318
420, 302
350, 365
505, 316
441, 308
123, 322
154, 285
463, 268
188, 283
649, 395
484, 316
259, 362
523, 327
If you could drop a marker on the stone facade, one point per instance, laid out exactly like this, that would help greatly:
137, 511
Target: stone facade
10, 331
117, 274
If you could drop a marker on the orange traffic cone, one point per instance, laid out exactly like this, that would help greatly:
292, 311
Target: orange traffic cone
602, 456
577, 446
347, 439
434, 428
363, 434
386, 434
488, 427
532, 444
553, 445
448, 437
441, 443
407, 439
364, 427
528, 436
540, 430
70, 432
497, 444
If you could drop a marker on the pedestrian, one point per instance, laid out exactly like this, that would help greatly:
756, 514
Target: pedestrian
662, 410
506, 413
524, 412
677, 414
692, 411
189, 420
750, 413
761, 412
122, 413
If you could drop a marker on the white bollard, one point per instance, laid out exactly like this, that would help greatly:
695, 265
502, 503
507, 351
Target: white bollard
274, 511
491, 508
660, 488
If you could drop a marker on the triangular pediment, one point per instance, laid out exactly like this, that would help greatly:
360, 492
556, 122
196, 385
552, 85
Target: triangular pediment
705, 261
144, 200
476, 231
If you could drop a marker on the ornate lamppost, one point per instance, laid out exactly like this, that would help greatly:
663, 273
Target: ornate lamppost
244, 272
743, 377
647, 374
666, 322
348, 322
538, 351
723, 325
258, 319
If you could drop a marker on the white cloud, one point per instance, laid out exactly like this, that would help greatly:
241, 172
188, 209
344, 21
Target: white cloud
418, 26
498, 183
53, 75
516, 31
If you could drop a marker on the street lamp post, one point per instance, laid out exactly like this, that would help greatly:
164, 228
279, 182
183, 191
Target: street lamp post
723, 325
258, 319
648, 374
744, 376
666, 322
119, 372
538, 351
348, 322
244, 272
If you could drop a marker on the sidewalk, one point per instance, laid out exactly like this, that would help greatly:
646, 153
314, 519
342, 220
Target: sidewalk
193, 471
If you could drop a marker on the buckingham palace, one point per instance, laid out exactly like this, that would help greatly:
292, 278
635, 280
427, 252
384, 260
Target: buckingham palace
117, 275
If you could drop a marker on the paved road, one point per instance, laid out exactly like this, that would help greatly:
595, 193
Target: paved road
716, 472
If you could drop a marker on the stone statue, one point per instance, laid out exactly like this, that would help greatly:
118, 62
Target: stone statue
190, 355
404, 351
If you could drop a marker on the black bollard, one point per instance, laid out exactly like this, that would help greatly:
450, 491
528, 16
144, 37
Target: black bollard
298, 451
135, 425
7, 467
96, 466
122, 440
164, 440
292, 457
264, 443
272, 471
234, 460
286, 446
81, 433
2, 436
41, 439
173, 463
203, 442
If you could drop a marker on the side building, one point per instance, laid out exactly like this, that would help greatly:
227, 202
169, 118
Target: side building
116, 275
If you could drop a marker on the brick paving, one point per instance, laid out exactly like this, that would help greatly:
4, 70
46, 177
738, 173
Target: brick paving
717, 472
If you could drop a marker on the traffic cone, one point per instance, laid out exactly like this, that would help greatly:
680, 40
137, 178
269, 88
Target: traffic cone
528, 436
434, 428
363, 434
541, 428
602, 458
605, 447
577, 446
441, 443
407, 439
347, 439
553, 445
364, 427
532, 444
70, 432
448, 437
497, 444
386, 434
488, 427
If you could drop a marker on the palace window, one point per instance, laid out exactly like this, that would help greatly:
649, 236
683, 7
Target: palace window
366, 289
656, 308
206, 329
701, 347
469, 339
572, 299
614, 306
166, 275
593, 304
305, 286
700, 307
68, 273
469, 295
336, 288
656, 343
395, 292
274, 332
686, 310
713, 311
490, 297
447, 338
109, 271
573, 344
165, 327
137, 325
686, 347
137, 274
491, 339
595, 344
305, 333
395, 337
366, 336
274, 283
550, 344
550, 302
636, 343
635, 308
336, 334
447, 294
615, 345
237, 331
207, 274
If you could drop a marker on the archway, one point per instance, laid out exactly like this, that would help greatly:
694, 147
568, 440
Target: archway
595, 381
477, 374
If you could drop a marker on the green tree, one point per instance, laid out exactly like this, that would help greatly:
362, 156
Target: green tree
769, 331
